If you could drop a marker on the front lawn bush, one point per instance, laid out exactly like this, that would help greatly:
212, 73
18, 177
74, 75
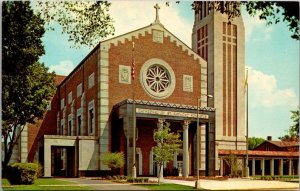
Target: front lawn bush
22, 173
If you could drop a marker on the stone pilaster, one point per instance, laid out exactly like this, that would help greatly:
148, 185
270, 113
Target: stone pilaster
103, 100
83, 114
24, 144
186, 159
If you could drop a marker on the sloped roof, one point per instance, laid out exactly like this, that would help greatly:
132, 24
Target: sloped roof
259, 153
136, 34
58, 79
284, 143
142, 32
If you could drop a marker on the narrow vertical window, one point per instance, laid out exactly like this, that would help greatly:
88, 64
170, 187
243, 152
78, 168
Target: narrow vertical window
70, 127
79, 124
79, 90
70, 97
91, 114
91, 80
91, 117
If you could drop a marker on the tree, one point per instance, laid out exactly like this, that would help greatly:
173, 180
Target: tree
167, 145
86, 22
26, 84
293, 131
234, 164
272, 12
253, 142
113, 160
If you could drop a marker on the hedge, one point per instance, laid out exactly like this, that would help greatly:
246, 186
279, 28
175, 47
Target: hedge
22, 173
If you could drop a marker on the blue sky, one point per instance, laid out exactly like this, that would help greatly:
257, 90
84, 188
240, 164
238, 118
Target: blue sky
271, 54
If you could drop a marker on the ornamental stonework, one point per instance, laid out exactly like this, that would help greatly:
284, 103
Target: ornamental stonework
124, 74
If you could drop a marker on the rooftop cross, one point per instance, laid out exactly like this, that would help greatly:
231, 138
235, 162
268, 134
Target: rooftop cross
157, 15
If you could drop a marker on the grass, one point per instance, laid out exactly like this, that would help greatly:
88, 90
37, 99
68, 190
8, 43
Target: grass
38, 185
163, 186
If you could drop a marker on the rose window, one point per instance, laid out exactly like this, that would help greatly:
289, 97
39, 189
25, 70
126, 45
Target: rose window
157, 79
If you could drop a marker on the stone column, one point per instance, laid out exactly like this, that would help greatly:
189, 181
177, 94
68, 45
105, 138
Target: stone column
253, 167
47, 159
290, 167
160, 125
186, 159
221, 166
272, 167
281, 167
262, 166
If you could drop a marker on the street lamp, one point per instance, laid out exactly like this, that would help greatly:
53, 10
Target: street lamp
197, 184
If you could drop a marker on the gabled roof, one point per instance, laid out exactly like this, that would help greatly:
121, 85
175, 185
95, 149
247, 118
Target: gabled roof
136, 34
142, 32
284, 143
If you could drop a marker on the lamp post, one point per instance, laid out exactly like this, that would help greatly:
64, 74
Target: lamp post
197, 184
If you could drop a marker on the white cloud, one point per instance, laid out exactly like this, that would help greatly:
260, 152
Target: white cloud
62, 68
263, 91
255, 25
132, 15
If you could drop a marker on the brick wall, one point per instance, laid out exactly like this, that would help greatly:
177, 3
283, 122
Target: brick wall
145, 49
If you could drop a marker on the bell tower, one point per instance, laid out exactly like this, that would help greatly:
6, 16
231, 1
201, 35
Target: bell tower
221, 42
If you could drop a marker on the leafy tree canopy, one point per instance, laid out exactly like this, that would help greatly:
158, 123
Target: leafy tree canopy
86, 22
254, 142
21, 36
293, 131
26, 84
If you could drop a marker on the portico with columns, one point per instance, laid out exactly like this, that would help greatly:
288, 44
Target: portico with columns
150, 117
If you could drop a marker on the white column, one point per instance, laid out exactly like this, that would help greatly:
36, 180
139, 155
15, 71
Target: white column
262, 167
281, 167
202, 147
221, 166
47, 159
253, 167
272, 167
186, 148
160, 125
290, 167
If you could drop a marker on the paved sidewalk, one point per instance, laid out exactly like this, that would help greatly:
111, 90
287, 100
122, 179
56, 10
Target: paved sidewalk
237, 184
102, 184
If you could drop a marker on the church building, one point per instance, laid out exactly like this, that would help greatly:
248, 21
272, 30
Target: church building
129, 86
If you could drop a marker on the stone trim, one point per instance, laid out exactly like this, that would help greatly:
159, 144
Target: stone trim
103, 101
162, 104
149, 29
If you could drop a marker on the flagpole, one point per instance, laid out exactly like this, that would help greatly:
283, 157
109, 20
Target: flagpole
247, 157
133, 115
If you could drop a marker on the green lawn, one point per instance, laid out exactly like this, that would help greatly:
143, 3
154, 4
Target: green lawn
163, 186
40, 183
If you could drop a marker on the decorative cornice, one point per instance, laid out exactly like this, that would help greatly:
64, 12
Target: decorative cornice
162, 104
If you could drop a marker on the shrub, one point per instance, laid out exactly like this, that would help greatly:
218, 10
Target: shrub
130, 179
22, 173
113, 160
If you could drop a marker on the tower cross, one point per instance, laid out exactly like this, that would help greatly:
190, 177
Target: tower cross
157, 13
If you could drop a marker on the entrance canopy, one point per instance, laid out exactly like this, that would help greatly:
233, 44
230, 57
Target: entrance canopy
153, 109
